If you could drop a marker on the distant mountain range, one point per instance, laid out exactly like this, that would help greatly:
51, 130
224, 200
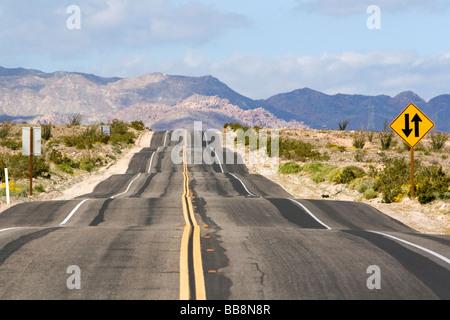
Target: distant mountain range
168, 102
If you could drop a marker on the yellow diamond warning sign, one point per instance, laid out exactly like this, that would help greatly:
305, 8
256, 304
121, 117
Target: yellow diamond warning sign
412, 125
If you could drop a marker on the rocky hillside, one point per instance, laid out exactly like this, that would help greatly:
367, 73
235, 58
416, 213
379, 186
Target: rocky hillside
320, 110
167, 101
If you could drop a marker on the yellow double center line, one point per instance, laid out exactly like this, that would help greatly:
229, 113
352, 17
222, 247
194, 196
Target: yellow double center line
191, 235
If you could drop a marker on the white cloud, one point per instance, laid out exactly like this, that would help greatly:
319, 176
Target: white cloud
348, 7
372, 73
111, 16
39, 26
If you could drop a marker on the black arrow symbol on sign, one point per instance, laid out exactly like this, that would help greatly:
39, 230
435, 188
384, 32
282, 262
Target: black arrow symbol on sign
416, 121
407, 131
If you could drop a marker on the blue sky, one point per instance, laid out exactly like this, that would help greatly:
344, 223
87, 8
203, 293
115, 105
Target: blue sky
257, 47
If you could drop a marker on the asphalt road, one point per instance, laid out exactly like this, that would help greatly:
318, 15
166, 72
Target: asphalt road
147, 233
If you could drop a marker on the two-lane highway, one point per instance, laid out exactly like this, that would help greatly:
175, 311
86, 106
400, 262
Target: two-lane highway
212, 231
124, 237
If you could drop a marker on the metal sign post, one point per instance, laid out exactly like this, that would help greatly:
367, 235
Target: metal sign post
412, 173
31, 145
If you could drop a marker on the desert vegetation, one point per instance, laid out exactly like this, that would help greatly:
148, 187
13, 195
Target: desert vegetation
374, 164
68, 151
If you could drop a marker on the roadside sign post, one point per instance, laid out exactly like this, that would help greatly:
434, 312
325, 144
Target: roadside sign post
31, 145
7, 186
412, 125
106, 130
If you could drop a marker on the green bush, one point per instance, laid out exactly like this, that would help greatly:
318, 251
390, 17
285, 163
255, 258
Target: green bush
46, 131
348, 174
127, 137
87, 139
395, 181
359, 140
65, 167
19, 166
320, 171
289, 167
438, 140
56, 156
11, 144
138, 125
293, 149
4, 129
39, 188
235, 126
370, 194
432, 183
119, 127
395, 174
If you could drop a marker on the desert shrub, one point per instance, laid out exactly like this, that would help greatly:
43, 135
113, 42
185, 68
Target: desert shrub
87, 164
432, 183
75, 120
343, 124
19, 166
65, 167
370, 194
395, 174
39, 188
127, 137
386, 137
87, 139
394, 181
297, 150
320, 171
11, 144
438, 140
56, 156
137, 125
63, 162
289, 167
118, 127
46, 131
235, 126
348, 174
5, 129
15, 190
359, 140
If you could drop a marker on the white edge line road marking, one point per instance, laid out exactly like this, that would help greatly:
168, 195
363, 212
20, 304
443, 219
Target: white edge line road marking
437, 255
242, 184
215, 153
151, 160
310, 213
165, 138
128, 187
1, 230
221, 168
217, 157
72, 213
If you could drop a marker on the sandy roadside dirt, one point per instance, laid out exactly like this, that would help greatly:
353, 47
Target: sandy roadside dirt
87, 182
